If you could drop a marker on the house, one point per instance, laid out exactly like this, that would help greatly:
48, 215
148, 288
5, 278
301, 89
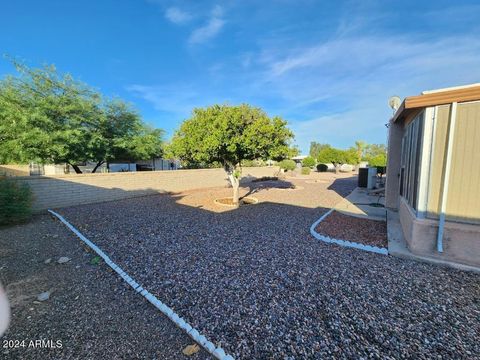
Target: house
298, 160
433, 173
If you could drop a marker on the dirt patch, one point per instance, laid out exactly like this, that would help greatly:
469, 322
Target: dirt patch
363, 231
90, 310
24, 291
228, 201
322, 181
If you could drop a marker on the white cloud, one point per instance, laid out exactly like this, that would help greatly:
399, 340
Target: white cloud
341, 86
177, 16
179, 101
335, 90
210, 29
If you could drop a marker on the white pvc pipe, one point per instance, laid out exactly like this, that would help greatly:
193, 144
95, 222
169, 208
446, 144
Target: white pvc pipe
217, 352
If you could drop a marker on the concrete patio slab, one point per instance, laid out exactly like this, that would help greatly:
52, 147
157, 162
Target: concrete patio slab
358, 203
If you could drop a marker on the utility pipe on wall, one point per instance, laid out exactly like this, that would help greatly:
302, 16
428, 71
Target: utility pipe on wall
446, 176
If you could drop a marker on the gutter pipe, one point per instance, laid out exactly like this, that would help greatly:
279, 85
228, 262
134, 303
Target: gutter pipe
446, 176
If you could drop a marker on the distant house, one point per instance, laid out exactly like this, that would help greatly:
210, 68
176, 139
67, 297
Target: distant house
433, 172
37, 169
298, 160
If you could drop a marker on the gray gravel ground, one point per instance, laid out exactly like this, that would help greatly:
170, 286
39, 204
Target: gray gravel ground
90, 310
257, 284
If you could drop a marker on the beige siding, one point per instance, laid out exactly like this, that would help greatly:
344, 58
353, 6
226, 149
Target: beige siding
463, 202
463, 198
437, 162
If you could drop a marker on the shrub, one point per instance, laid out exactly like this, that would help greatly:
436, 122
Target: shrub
15, 202
322, 168
287, 165
308, 162
305, 170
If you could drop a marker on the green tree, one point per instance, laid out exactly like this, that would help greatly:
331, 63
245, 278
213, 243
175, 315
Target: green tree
45, 117
48, 117
335, 156
287, 165
121, 135
378, 160
353, 157
309, 162
316, 147
230, 134
293, 151
376, 155
360, 146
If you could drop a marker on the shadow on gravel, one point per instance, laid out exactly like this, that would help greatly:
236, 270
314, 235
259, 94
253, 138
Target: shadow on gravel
254, 281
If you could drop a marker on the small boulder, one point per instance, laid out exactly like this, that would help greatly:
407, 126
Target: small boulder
63, 260
43, 296
191, 349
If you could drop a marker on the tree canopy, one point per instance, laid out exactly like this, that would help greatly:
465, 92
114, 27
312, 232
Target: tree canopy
309, 162
337, 156
332, 155
230, 134
375, 154
51, 118
315, 148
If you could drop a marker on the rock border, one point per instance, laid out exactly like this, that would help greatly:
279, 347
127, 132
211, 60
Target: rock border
345, 243
217, 352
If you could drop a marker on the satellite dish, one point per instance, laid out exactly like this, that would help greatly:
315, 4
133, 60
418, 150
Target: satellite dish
394, 102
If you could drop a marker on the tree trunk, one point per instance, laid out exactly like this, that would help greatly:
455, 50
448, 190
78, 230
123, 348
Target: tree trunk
76, 168
337, 168
97, 166
234, 177
235, 185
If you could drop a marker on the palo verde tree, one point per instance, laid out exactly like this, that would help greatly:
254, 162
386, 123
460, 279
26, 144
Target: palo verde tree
51, 118
230, 134
121, 135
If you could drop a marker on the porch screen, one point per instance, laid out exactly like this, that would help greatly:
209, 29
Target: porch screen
410, 160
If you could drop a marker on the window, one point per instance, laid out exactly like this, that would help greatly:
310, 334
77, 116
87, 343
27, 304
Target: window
410, 160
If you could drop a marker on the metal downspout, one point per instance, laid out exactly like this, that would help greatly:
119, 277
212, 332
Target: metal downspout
446, 176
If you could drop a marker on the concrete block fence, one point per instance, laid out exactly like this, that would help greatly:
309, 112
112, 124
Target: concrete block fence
68, 190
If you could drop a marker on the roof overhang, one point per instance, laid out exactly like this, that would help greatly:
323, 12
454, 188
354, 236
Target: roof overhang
437, 97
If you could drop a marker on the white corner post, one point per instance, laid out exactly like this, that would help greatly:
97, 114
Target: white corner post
446, 176
425, 160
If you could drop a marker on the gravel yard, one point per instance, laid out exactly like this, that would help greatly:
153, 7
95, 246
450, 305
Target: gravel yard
345, 227
256, 283
90, 310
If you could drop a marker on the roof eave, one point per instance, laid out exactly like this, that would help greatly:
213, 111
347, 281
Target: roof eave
437, 98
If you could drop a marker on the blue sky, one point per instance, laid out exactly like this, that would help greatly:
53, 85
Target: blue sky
327, 67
